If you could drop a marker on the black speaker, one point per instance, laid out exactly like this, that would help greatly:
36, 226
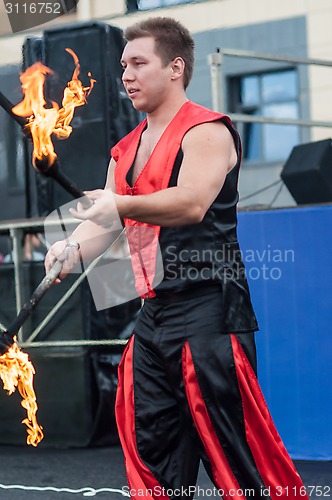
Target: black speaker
308, 172
97, 126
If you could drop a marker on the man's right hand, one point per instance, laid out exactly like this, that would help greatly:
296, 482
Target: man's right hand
67, 252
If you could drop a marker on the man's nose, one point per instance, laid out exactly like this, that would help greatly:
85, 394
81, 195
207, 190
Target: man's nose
127, 75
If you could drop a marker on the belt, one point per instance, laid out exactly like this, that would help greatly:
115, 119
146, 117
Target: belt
186, 294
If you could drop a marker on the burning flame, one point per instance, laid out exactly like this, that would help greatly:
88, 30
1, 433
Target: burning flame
16, 370
44, 121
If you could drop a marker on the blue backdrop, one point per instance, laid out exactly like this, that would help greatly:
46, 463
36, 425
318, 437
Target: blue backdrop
288, 253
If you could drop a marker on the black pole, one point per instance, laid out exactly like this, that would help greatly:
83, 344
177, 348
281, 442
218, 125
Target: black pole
54, 171
7, 337
8, 107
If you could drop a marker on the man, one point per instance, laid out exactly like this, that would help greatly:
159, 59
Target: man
187, 387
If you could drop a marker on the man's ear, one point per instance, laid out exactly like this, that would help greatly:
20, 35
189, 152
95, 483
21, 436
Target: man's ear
177, 67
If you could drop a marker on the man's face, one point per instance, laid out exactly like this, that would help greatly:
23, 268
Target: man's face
145, 78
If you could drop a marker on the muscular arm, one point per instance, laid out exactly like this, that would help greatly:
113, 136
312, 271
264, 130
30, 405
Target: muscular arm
208, 154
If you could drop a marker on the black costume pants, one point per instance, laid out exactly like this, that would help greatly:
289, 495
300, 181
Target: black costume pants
188, 392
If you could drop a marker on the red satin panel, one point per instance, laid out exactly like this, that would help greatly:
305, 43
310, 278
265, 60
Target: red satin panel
141, 479
278, 472
222, 473
143, 243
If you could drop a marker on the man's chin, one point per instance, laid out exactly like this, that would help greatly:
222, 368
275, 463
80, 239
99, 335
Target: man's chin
139, 106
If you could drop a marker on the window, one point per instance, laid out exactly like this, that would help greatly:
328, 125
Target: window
273, 95
154, 4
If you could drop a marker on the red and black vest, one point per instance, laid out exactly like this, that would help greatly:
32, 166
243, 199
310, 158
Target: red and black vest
196, 254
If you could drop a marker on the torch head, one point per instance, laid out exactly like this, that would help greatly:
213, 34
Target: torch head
6, 341
46, 165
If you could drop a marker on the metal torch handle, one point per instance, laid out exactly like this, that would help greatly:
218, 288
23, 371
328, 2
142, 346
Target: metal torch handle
60, 177
7, 105
35, 298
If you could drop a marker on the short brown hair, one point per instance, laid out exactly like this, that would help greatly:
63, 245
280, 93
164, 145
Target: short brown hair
172, 40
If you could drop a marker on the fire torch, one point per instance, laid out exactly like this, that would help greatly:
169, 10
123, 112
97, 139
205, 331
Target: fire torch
38, 123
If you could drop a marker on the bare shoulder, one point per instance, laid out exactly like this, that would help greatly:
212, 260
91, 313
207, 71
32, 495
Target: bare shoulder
210, 140
208, 133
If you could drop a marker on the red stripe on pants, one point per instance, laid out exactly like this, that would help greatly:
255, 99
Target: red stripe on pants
272, 460
222, 473
140, 478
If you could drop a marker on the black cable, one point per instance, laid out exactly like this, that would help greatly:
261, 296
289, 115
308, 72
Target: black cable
261, 190
276, 195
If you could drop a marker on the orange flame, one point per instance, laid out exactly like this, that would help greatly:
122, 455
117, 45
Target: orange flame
43, 121
16, 370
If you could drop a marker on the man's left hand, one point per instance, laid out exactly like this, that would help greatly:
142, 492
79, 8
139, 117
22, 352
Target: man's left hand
103, 211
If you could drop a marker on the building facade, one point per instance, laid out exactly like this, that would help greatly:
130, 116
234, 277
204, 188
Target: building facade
255, 87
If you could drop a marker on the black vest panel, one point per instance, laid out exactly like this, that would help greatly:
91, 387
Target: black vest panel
206, 253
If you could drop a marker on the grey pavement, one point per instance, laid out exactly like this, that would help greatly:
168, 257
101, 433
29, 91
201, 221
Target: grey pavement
28, 473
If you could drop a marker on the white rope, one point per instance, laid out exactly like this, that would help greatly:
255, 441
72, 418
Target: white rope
87, 491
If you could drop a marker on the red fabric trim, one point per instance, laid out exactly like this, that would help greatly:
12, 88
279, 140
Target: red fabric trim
140, 478
143, 242
222, 473
272, 460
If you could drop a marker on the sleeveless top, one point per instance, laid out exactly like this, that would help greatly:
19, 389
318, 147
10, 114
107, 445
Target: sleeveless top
194, 255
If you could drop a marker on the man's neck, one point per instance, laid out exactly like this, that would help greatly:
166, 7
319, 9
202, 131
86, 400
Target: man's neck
162, 116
